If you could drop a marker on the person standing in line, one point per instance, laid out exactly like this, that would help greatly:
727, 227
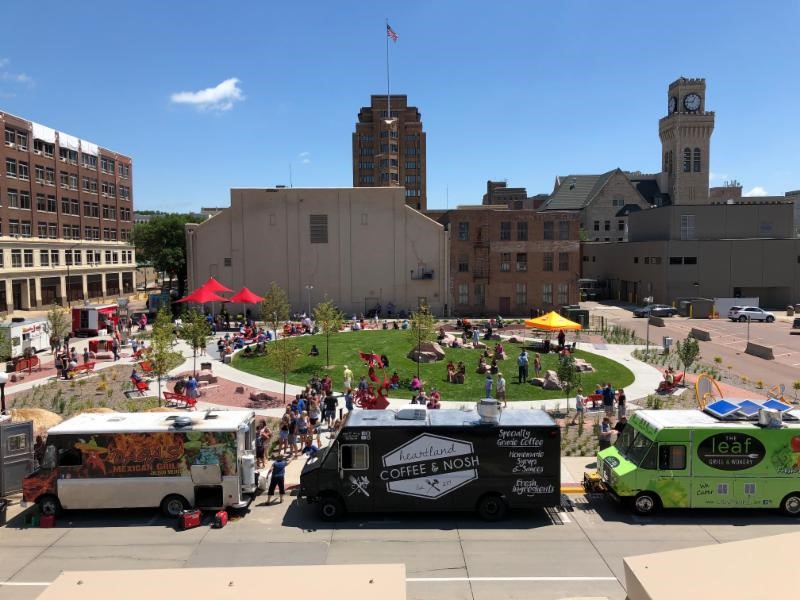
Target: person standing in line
348, 400
579, 405
487, 386
86, 355
276, 480
562, 338
330, 409
605, 433
522, 366
500, 388
191, 387
608, 400
347, 379
621, 404
115, 348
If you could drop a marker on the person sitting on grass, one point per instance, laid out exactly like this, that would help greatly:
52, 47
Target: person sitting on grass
499, 352
433, 402
394, 382
481, 366
461, 373
451, 372
314, 350
416, 384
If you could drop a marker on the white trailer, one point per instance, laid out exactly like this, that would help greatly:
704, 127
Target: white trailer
127, 460
25, 334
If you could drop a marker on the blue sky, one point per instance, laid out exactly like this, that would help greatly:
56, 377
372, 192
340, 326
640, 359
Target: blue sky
523, 91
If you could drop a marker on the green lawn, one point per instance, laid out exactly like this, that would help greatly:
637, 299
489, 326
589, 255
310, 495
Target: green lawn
344, 349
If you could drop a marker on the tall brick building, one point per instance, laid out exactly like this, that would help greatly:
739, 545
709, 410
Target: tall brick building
512, 262
389, 149
66, 208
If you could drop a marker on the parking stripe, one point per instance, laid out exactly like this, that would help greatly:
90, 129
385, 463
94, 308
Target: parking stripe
26, 583
470, 579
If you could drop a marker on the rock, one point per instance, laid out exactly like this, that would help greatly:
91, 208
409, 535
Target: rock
448, 339
422, 357
433, 348
513, 339
537, 381
551, 381
583, 366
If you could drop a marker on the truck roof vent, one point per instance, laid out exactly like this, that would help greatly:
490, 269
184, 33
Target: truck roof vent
182, 421
489, 410
412, 412
17, 319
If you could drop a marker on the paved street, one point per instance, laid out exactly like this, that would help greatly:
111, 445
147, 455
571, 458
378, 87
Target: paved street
543, 554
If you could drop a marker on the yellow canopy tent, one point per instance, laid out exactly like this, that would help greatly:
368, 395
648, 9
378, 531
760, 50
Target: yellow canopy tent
552, 321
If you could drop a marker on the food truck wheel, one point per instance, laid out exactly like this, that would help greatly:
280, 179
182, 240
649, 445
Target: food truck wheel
492, 507
49, 505
331, 508
646, 503
790, 505
173, 505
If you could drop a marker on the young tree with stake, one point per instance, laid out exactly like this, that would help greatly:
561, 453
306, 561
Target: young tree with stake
196, 331
329, 319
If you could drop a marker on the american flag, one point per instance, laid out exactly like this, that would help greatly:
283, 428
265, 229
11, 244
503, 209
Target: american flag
390, 32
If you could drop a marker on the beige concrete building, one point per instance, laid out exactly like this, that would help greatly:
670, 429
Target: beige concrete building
713, 250
358, 246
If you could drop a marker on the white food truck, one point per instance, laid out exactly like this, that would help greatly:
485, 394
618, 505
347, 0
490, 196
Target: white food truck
126, 460
25, 334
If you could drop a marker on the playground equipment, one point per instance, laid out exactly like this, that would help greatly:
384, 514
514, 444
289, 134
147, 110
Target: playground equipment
707, 390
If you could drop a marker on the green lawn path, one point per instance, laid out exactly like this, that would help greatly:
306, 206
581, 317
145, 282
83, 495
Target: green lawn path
344, 349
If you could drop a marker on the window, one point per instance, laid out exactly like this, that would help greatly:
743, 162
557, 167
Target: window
597, 225
749, 489
124, 171
547, 293
28, 256
522, 294
636, 260
11, 137
13, 227
563, 261
410, 164
354, 457
671, 457
109, 212
411, 179
687, 160
463, 264
13, 198
11, 167
687, 227
73, 182
44, 258
23, 170
39, 170
563, 293
367, 139
124, 192
463, 231
41, 203
621, 225
42, 230
16, 259
647, 260
410, 150
54, 258
690, 260
89, 161
107, 165
43, 147
463, 293
563, 230
226, 261
505, 230
548, 230
618, 201
366, 166
25, 228
67, 155
607, 225
480, 294
696, 162
505, 262
547, 262
522, 231
75, 207
108, 257
765, 229
522, 261
22, 140
318, 225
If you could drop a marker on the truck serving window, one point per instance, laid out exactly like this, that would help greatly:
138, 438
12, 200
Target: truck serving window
355, 456
671, 457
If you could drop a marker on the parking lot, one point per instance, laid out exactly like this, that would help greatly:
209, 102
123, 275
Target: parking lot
545, 554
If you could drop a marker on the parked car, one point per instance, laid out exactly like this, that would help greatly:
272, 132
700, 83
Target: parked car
655, 310
795, 326
743, 313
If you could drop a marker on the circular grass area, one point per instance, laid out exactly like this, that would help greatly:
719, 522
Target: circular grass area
395, 344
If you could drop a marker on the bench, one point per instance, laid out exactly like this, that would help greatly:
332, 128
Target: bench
27, 364
595, 399
146, 366
179, 400
85, 368
665, 388
140, 386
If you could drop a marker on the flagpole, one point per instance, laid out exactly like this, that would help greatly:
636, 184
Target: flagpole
388, 97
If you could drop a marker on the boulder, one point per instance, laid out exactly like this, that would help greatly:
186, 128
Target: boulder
537, 381
583, 366
433, 348
513, 339
422, 357
551, 381
448, 339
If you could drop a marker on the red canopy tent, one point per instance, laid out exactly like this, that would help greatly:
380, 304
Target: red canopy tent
245, 296
202, 296
214, 286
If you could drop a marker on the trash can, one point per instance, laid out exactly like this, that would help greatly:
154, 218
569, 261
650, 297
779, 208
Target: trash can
93, 346
3, 508
205, 366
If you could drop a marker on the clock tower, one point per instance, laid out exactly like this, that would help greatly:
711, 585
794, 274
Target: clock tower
686, 141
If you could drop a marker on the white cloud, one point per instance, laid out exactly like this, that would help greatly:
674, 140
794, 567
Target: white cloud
718, 176
305, 158
220, 97
6, 75
756, 191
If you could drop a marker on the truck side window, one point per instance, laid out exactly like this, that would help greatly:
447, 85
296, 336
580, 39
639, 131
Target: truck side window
649, 461
70, 458
671, 457
355, 456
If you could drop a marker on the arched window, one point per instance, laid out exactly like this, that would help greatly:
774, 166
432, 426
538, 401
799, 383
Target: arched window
687, 160
697, 160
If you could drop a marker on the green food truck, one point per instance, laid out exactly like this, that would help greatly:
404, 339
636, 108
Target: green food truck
733, 454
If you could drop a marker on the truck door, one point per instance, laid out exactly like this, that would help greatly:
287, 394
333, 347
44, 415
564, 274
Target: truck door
355, 475
673, 482
16, 445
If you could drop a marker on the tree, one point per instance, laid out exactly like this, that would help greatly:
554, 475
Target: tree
423, 329
283, 357
162, 242
5, 344
275, 307
329, 319
196, 331
161, 356
58, 318
688, 352
569, 375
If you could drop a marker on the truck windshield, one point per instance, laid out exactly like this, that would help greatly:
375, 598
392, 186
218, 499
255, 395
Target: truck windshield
633, 445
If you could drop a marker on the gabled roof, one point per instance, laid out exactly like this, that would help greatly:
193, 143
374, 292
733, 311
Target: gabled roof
574, 192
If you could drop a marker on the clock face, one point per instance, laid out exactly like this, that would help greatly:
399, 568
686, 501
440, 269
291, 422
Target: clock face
691, 102
673, 104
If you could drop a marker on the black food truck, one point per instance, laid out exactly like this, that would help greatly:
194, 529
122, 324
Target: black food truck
413, 459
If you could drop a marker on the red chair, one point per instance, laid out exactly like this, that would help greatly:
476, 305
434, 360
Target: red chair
179, 400
141, 386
